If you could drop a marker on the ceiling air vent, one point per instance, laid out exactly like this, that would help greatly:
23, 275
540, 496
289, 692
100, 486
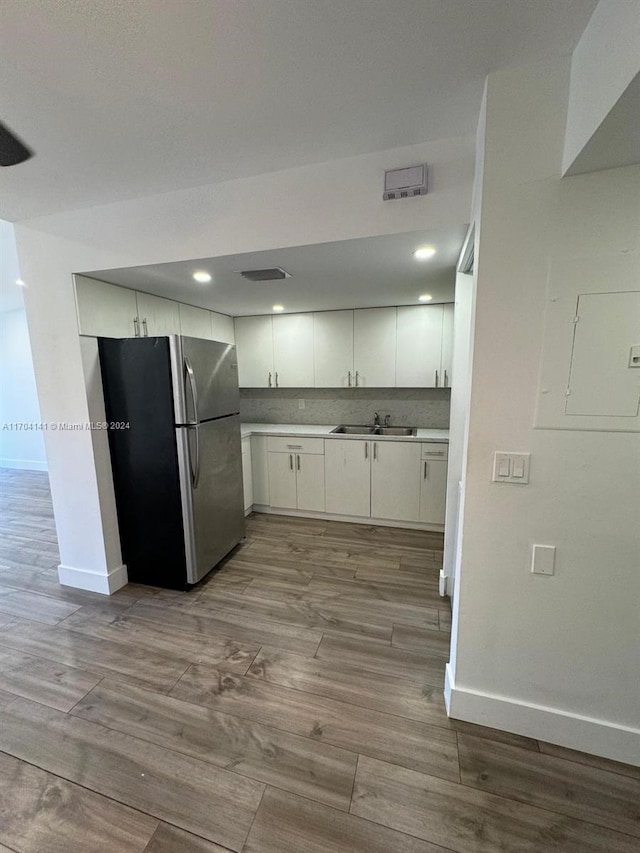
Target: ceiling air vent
273, 274
406, 183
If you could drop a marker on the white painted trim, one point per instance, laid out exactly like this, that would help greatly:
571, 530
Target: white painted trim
349, 519
24, 464
586, 734
105, 584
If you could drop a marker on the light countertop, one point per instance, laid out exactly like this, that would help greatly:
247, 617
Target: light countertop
324, 431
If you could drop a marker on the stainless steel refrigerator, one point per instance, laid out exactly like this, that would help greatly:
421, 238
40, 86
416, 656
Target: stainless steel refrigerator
172, 405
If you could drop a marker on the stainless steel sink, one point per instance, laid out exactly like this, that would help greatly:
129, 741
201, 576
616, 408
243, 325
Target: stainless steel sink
354, 430
374, 430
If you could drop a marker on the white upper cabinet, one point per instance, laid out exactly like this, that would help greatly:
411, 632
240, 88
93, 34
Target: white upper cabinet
222, 328
254, 340
374, 344
105, 310
418, 353
447, 344
157, 316
195, 322
406, 347
293, 351
333, 349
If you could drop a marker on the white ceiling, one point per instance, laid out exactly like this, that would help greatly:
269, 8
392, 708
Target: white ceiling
121, 99
364, 273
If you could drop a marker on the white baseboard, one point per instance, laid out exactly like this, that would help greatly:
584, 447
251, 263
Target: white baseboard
586, 734
349, 519
24, 464
93, 581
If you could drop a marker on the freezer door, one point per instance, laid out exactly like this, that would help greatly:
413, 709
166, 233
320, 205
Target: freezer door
211, 480
205, 379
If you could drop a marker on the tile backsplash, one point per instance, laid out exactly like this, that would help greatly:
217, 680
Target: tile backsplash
419, 407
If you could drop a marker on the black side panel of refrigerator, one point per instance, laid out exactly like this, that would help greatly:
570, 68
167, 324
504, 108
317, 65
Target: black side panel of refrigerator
136, 378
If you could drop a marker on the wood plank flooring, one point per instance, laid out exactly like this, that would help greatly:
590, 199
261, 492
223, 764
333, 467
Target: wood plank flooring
290, 703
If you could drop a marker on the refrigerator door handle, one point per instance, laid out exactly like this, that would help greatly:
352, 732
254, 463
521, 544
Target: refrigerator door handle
188, 370
196, 474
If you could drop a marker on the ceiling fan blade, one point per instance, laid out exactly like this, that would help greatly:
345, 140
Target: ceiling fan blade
12, 150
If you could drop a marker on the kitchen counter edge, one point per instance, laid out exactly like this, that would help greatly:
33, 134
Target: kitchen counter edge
324, 431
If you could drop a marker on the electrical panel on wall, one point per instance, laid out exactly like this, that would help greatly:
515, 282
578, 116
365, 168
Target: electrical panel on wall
602, 379
590, 365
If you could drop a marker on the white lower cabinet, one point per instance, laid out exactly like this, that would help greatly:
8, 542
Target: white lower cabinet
282, 480
433, 483
347, 469
310, 482
296, 473
247, 474
395, 490
397, 481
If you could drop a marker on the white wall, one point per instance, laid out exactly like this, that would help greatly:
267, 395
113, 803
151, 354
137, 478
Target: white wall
18, 399
604, 64
19, 448
557, 658
339, 200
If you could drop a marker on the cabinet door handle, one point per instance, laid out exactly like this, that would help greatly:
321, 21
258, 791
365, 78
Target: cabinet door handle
375, 450
291, 461
270, 381
434, 452
446, 380
357, 379
144, 326
425, 470
276, 380
436, 378
349, 378
366, 450
294, 446
298, 458
136, 327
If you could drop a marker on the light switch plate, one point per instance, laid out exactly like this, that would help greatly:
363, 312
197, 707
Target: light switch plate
511, 467
543, 559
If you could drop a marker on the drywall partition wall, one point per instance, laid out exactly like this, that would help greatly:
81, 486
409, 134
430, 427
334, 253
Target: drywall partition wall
556, 658
604, 64
339, 200
21, 442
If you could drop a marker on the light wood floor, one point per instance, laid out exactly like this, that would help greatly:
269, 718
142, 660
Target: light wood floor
291, 703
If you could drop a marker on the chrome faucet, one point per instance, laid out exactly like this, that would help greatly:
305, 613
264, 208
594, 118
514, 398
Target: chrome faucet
387, 420
376, 419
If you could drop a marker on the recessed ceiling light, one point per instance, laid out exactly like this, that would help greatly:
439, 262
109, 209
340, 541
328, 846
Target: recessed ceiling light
278, 307
424, 252
20, 282
426, 297
202, 277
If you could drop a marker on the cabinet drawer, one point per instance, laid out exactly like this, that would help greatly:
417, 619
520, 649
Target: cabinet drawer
435, 450
292, 444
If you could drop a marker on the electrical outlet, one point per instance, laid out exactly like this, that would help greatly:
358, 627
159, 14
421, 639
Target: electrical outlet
301, 404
